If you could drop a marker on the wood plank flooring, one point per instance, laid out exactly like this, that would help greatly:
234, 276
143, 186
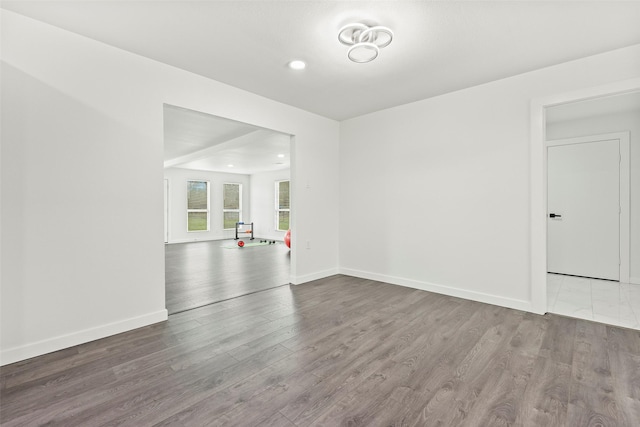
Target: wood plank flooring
201, 273
337, 352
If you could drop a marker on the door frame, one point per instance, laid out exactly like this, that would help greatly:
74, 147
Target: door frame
538, 179
166, 210
623, 188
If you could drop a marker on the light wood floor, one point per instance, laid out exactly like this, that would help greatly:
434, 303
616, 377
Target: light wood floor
338, 352
202, 273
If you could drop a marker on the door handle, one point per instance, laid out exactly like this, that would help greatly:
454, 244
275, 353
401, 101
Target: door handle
552, 215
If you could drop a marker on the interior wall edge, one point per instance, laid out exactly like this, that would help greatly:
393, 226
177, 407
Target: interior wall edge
443, 290
27, 351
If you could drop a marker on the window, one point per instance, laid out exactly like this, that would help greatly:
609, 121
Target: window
282, 205
198, 205
232, 205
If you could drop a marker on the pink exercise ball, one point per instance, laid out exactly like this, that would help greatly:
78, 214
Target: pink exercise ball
287, 238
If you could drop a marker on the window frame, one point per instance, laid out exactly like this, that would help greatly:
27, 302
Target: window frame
207, 210
239, 210
277, 204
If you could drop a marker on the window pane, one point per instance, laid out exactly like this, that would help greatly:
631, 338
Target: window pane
197, 195
283, 195
231, 196
283, 221
230, 219
197, 221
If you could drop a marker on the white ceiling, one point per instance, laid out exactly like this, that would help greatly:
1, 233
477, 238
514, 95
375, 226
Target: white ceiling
195, 140
187, 131
439, 46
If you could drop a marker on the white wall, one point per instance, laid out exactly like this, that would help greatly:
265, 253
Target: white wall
629, 121
82, 184
178, 203
435, 194
263, 211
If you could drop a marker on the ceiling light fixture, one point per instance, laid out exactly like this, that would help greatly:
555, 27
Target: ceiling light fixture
281, 155
297, 65
365, 42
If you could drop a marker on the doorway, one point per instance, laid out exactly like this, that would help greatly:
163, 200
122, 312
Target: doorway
220, 178
602, 110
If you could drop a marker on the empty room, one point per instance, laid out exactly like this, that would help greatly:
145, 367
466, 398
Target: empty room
459, 178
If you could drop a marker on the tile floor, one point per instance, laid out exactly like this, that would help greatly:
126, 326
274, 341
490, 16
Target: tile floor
602, 301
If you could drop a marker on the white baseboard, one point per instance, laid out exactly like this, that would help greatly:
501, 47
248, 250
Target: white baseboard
441, 289
298, 280
39, 348
634, 280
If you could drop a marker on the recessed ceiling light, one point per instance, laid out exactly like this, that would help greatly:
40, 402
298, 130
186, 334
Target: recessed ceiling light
297, 65
281, 155
229, 166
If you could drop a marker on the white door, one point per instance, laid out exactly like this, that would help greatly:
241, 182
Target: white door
583, 218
